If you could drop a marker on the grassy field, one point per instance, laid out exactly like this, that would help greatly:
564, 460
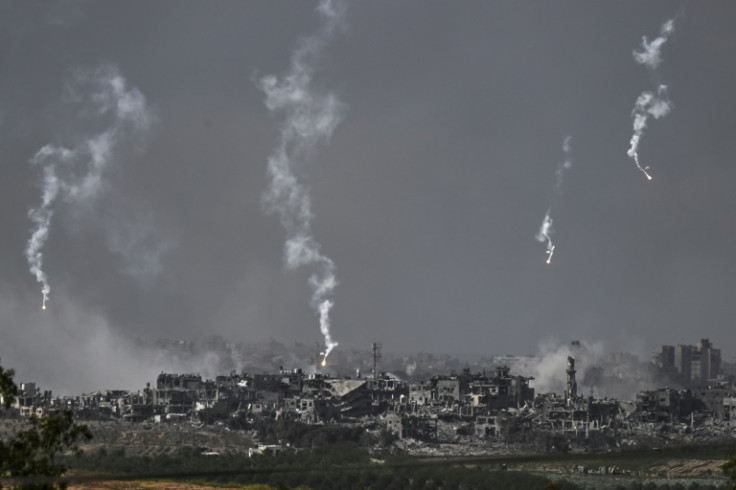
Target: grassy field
164, 485
684, 465
151, 439
157, 439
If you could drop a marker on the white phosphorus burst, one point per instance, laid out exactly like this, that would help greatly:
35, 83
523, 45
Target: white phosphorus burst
76, 174
546, 230
655, 104
310, 117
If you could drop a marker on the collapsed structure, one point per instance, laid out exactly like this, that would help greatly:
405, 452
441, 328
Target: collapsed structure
496, 406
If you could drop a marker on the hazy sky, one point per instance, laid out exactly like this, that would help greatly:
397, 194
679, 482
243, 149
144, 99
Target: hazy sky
427, 195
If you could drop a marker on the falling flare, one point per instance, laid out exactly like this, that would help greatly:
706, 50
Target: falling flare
545, 230
45, 292
105, 92
544, 236
550, 252
649, 103
324, 362
311, 116
633, 151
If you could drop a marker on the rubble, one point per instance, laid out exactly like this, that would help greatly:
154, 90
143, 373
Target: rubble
456, 414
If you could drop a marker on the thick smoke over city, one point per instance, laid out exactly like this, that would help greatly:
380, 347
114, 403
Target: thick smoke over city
600, 372
77, 174
310, 117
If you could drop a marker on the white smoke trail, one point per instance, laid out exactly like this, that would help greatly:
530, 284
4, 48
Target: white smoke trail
76, 174
544, 235
546, 230
650, 54
649, 103
310, 117
41, 217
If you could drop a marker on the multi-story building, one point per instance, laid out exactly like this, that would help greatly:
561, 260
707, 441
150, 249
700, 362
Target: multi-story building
692, 364
663, 357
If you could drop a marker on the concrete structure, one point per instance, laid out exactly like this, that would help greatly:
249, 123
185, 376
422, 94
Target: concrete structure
691, 364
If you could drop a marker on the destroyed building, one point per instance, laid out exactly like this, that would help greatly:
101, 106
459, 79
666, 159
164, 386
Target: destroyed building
487, 406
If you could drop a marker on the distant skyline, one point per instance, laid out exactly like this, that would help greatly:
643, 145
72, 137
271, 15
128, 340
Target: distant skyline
426, 196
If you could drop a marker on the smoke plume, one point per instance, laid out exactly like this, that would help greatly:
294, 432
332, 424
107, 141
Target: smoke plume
545, 230
310, 117
544, 235
76, 174
600, 373
649, 103
650, 54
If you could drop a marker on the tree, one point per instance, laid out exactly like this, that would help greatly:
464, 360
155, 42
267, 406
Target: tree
8, 389
32, 452
730, 470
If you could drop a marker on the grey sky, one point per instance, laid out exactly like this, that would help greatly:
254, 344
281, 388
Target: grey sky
427, 196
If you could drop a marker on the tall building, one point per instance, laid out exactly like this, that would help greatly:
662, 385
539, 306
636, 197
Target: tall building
664, 357
571, 393
683, 361
692, 363
710, 361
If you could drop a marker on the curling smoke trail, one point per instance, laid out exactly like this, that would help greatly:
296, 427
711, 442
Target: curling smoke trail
544, 235
545, 230
650, 54
649, 103
310, 117
76, 174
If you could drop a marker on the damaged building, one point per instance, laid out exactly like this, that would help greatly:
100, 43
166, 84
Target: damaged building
488, 407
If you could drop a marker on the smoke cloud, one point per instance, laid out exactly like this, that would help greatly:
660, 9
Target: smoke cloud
649, 103
75, 350
76, 174
549, 365
651, 53
545, 230
310, 117
601, 373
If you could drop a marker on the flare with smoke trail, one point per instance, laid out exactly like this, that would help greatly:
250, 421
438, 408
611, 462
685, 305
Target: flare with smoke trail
545, 230
544, 235
649, 103
310, 116
76, 174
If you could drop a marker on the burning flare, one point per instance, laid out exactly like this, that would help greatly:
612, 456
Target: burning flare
544, 235
649, 103
310, 116
545, 230
76, 174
